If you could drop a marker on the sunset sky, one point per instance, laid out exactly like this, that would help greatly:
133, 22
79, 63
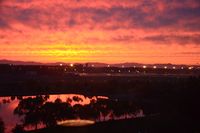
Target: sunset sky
109, 31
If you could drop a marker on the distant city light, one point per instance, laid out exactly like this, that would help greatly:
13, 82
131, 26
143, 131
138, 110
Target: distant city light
154, 67
61, 64
190, 67
165, 67
144, 66
137, 71
108, 66
122, 66
92, 65
134, 66
102, 97
71, 65
182, 67
119, 71
173, 67
129, 71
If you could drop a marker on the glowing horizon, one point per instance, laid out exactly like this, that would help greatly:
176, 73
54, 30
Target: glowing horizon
79, 31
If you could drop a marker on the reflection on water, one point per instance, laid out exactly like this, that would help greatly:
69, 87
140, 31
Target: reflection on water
33, 112
77, 122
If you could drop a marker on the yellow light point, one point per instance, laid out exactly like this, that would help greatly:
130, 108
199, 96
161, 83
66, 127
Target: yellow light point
122, 66
154, 67
144, 67
174, 67
61, 64
71, 65
108, 66
165, 67
92, 65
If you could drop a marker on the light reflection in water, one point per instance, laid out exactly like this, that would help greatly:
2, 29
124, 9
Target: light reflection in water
76, 122
6, 113
96, 108
7, 106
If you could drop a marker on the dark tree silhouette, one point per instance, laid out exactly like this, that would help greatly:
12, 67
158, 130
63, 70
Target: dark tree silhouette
103, 107
12, 98
77, 99
18, 129
57, 111
69, 100
30, 108
37, 110
88, 112
2, 126
123, 107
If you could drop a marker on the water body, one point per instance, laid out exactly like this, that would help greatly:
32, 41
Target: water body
34, 112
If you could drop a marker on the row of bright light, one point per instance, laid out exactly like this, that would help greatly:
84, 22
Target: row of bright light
165, 67
154, 67
71, 65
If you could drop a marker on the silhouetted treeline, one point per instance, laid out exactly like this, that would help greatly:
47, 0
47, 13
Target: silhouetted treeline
37, 110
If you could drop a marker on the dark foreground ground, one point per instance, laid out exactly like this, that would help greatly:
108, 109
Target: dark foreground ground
170, 102
156, 124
